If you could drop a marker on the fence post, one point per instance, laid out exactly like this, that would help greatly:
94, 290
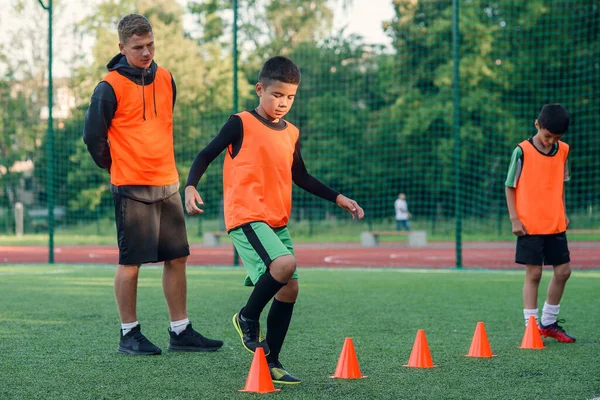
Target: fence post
457, 144
18, 219
236, 256
50, 141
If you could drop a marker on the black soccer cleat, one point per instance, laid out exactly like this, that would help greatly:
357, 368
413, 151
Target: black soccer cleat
250, 333
190, 340
135, 343
280, 375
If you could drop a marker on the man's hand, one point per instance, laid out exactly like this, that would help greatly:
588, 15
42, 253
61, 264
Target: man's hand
518, 229
192, 200
351, 206
568, 221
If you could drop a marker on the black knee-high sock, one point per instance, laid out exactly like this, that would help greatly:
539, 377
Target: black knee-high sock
278, 323
263, 292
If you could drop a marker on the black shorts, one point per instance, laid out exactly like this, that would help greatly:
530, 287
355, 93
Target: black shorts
150, 232
542, 249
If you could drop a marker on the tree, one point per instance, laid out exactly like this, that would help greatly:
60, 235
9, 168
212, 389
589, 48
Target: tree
23, 83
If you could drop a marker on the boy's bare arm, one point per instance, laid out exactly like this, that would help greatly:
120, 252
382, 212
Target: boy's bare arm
518, 228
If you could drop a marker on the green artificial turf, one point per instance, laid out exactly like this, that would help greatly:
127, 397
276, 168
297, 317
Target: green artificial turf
59, 331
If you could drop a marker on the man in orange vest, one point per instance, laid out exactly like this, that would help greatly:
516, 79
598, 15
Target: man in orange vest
129, 132
263, 158
536, 204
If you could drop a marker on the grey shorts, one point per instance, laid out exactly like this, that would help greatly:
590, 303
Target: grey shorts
150, 232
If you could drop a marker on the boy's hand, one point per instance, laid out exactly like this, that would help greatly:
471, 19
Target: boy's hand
568, 221
351, 206
518, 229
192, 199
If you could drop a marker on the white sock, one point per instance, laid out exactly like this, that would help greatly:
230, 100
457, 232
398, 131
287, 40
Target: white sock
179, 326
126, 328
549, 313
528, 312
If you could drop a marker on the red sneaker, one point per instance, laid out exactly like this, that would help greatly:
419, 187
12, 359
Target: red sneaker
557, 332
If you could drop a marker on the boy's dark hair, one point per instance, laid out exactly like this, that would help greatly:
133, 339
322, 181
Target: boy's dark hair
133, 24
280, 69
554, 118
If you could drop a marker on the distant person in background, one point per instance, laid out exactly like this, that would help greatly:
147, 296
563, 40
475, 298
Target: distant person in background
129, 132
535, 196
402, 214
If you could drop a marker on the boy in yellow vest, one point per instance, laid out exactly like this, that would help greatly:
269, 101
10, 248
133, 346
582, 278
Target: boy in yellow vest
263, 159
536, 204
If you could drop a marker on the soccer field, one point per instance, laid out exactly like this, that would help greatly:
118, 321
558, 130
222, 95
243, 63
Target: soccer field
59, 332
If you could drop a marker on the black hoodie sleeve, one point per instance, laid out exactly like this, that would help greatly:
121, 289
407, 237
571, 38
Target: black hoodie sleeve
97, 121
231, 134
306, 181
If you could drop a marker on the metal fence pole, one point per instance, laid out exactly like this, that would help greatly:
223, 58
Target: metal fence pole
457, 143
236, 256
50, 141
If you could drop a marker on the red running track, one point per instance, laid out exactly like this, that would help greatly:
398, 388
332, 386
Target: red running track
584, 255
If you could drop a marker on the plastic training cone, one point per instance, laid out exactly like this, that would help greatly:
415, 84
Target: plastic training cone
259, 378
532, 338
480, 345
347, 366
420, 357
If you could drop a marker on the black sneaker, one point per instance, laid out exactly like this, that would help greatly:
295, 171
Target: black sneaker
135, 343
280, 375
190, 340
249, 331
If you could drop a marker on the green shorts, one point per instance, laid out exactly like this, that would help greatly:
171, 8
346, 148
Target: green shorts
258, 245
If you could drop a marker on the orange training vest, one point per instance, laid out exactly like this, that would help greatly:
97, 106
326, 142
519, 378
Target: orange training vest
257, 183
142, 150
539, 192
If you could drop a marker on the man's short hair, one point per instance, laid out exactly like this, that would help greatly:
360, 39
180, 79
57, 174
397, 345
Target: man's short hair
280, 69
554, 118
133, 24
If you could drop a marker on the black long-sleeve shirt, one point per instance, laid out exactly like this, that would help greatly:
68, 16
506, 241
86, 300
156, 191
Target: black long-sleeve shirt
232, 134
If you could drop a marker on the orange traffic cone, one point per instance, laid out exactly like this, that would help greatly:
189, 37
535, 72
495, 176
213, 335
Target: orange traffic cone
480, 346
532, 338
347, 366
259, 378
420, 357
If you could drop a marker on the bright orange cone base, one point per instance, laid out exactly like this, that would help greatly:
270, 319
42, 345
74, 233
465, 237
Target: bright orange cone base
480, 345
420, 357
347, 367
259, 378
532, 338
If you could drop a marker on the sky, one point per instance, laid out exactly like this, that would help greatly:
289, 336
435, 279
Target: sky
363, 17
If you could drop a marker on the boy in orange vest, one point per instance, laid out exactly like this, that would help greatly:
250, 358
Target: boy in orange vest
263, 159
536, 204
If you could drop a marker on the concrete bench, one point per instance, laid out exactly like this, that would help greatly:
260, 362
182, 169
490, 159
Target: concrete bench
38, 218
211, 239
415, 238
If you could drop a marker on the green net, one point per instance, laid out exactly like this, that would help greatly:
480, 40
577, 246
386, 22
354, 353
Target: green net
375, 120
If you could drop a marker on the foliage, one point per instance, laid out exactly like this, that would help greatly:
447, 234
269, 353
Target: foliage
374, 121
